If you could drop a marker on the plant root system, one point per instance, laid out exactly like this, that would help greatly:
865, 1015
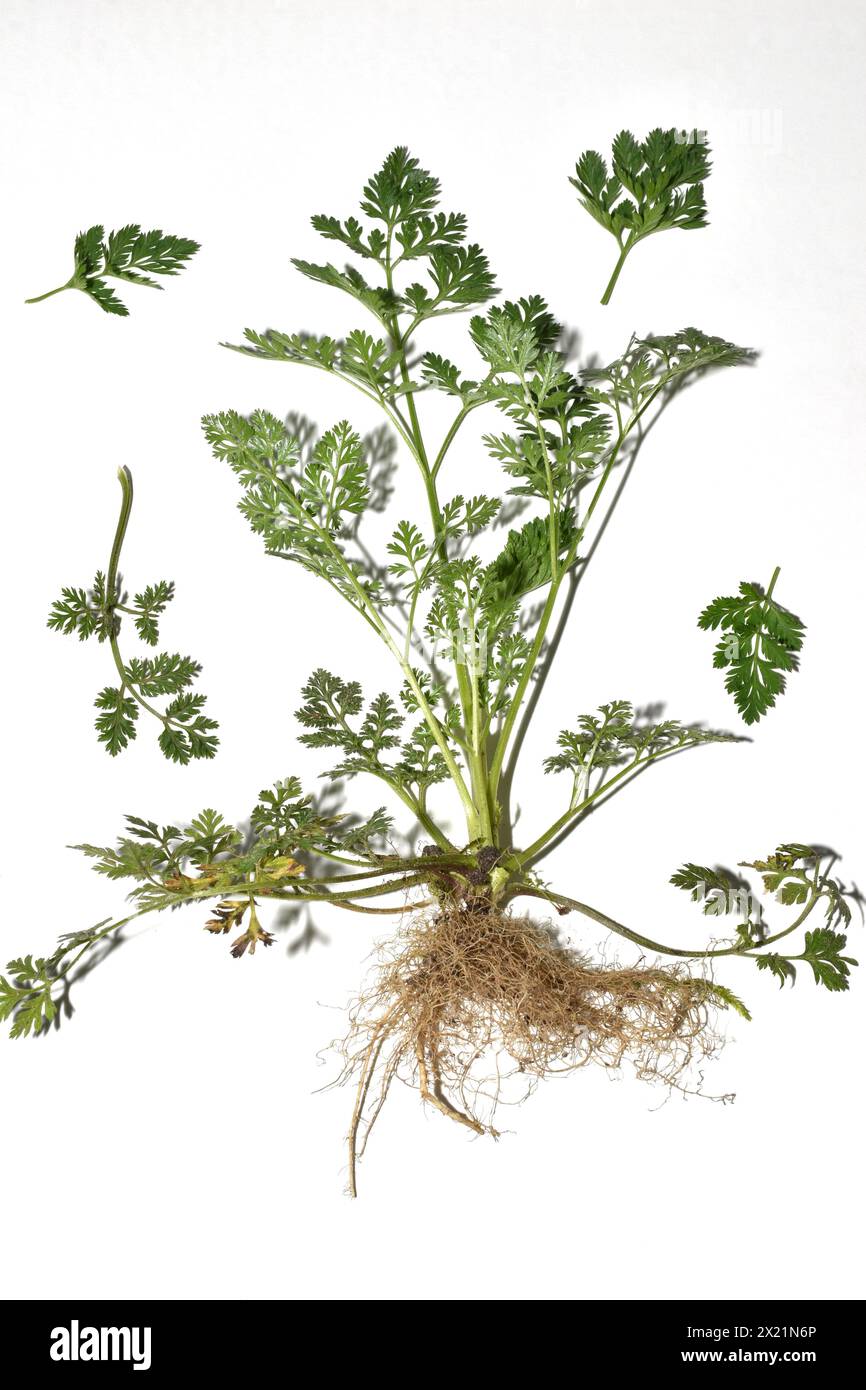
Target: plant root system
474, 1007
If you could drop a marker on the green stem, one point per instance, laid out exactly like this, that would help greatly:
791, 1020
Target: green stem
504, 737
544, 622
111, 593
112, 927
405, 796
418, 810
38, 298
360, 907
125, 479
377, 891
573, 812
318, 894
377, 622
344, 900
449, 438
418, 449
572, 904
477, 746
605, 299
111, 587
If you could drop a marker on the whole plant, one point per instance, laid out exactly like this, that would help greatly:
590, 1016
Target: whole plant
465, 612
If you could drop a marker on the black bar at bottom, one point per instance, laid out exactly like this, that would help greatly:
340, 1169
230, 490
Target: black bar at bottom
92, 1339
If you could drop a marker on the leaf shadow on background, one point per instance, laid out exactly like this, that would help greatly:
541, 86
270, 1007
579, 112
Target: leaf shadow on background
299, 918
63, 998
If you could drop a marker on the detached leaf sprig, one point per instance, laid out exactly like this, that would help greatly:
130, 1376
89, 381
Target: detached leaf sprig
760, 645
187, 732
128, 254
653, 185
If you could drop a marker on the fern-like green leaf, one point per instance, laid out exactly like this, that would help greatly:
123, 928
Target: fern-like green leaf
759, 647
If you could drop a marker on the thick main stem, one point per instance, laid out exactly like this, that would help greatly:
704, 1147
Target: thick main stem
476, 805
477, 746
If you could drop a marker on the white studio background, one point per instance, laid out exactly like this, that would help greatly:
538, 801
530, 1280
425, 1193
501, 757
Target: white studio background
169, 1141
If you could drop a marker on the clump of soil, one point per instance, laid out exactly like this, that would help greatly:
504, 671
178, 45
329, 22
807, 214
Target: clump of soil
463, 1000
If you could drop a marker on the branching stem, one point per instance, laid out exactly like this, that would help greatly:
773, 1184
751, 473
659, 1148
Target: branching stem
610, 923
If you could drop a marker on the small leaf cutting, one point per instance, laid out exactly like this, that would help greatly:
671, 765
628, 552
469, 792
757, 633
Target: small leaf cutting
186, 731
652, 185
128, 254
